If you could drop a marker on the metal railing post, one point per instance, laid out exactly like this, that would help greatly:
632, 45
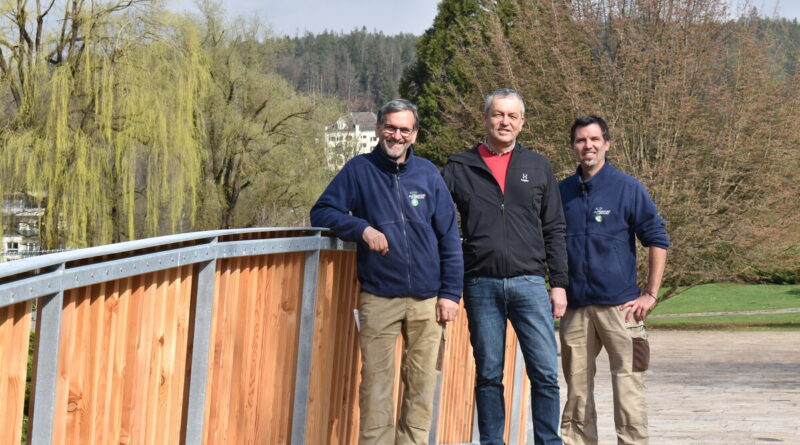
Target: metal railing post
45, 373
437, 395
305, 347
204, 307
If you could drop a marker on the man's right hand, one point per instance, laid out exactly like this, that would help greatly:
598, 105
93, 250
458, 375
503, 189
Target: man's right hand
376, 240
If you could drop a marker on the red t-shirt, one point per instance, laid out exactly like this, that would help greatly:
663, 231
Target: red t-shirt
497, 163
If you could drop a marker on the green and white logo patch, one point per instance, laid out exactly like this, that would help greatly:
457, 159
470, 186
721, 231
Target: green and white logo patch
600, 213
416, 198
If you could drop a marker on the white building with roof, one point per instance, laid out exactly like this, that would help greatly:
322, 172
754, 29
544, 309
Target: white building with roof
21, 216
351, 135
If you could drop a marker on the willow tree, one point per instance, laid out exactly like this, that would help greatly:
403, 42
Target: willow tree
99, 117
700, 109
264, 141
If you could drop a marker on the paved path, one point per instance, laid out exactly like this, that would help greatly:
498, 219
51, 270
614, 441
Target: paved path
717, 314
715, 387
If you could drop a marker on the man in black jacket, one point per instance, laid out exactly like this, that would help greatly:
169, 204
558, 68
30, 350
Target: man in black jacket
513, 231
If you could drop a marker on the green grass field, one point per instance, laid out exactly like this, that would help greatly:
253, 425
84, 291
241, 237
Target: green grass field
731, 298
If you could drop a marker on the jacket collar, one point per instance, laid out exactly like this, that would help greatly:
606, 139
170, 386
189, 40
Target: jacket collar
388, 164
599, 177
472, 157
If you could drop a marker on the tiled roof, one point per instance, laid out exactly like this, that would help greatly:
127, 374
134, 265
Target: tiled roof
365, 120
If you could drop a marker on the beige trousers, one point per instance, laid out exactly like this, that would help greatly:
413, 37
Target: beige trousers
584, 331
381, 320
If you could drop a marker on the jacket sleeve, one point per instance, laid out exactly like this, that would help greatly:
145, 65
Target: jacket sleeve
332, 209
554, 232
445, 226
649, 227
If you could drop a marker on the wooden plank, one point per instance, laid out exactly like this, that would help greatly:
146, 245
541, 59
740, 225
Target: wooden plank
91, 415
65, 361
15, 328
266, 272
215, 342
178, 373
223, 353
103, 382
351, 288
508, 375
458, 384
118, 317
239, 331
253, 342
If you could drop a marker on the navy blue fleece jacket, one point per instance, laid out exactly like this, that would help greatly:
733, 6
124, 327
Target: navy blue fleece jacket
410, 204
604, 217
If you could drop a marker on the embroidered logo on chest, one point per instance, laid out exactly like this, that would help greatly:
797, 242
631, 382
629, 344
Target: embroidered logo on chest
600, 213
416, 198
524, 177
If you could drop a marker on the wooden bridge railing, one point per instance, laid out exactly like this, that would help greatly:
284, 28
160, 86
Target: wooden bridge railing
223, 337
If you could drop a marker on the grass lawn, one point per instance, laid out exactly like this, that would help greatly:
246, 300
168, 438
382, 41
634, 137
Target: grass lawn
731, 298
728, 297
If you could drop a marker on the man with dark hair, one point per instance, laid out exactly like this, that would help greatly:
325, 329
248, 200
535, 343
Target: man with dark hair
606, 210
397, 208
513, 230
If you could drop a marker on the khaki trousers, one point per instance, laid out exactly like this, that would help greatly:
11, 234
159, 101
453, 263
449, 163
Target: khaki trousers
584, 331
381, 320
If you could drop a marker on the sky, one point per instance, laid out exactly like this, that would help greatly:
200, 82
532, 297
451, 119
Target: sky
295, 17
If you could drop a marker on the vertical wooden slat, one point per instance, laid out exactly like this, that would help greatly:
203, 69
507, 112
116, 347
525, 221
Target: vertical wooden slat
106, 381
117, 341
102, 316
91, 409
15, 328
182, 335
254, 341
132, 382
240, 352
458, 384
171, 296
508, 376
265, 278
292, 285
65, 361
212, 386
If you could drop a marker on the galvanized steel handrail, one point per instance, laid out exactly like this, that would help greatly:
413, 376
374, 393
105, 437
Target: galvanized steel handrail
49, 278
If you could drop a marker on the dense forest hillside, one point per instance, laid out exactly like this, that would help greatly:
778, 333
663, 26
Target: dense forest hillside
361, 68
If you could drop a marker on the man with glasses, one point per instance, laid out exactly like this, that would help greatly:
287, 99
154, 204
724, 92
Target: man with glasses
513, 229
396, 207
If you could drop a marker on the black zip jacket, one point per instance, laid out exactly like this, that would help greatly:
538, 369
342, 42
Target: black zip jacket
519, 233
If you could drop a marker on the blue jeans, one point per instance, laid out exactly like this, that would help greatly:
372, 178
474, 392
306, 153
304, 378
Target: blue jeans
525, 302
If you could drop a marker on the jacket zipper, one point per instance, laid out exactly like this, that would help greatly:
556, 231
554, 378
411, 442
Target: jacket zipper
505, 229
405, 235
585, 195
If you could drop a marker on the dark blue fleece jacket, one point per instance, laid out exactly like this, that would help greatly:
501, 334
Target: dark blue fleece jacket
604, 216
410, 204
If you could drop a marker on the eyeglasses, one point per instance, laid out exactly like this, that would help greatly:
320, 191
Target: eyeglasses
389, 130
